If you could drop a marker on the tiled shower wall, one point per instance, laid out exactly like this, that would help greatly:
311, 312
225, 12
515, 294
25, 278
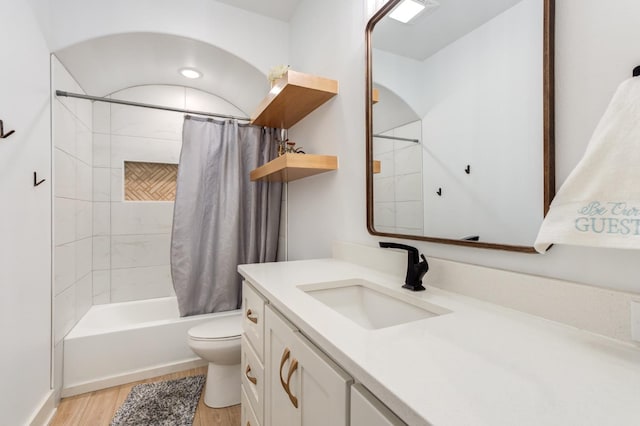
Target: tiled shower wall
72, 157
398, 192
131, 238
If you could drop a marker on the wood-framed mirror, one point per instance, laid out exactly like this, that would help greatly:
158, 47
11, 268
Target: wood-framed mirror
460, 122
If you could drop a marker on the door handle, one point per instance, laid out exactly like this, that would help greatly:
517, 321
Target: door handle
292, 368
251, 379
250, 317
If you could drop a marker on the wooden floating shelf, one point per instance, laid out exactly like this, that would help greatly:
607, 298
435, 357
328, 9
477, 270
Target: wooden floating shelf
290, 167
293, 97
375, 96
377, 166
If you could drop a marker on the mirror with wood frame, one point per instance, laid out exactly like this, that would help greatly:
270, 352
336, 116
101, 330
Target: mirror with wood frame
459, 121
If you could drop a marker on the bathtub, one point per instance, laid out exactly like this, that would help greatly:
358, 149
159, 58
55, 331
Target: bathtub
123, 342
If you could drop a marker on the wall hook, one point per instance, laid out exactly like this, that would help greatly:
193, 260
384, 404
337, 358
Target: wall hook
35, 179
439, 192
2, 134
468, 169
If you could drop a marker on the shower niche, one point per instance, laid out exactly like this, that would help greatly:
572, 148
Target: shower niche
145, 181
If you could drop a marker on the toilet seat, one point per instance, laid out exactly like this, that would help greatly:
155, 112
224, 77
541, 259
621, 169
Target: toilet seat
221, 328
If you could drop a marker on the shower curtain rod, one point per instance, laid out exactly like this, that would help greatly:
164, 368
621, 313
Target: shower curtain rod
138, 104
397, 138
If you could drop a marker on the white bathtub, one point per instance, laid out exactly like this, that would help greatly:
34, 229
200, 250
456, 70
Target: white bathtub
123, 342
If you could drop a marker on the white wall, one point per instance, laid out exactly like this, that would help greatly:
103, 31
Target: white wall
259, 40
131, 239
72, 215
390, 111
25, 216
596, 48
402, 76
329, 206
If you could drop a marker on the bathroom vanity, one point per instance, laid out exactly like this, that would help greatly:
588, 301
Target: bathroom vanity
276, 393
332, 342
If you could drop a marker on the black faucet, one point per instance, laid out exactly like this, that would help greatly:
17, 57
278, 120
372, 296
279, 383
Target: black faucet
415, 268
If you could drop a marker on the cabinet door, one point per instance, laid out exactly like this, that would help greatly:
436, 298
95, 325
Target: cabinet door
303, 386
366, 410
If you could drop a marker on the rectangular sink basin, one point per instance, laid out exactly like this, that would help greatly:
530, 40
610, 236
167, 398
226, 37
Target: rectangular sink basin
370, 305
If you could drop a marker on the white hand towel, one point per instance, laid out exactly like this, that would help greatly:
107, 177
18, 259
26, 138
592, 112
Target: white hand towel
599, 204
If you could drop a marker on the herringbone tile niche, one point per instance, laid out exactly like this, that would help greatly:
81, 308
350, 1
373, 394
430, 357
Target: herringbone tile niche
150, 181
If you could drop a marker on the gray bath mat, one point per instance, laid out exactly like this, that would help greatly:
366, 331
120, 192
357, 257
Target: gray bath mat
170, 403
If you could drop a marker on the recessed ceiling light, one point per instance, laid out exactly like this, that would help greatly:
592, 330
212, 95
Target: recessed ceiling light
190, 73
407, 10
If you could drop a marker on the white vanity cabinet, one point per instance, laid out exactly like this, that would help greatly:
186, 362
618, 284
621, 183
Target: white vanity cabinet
366, 410
288, 381
303, 386
252, 357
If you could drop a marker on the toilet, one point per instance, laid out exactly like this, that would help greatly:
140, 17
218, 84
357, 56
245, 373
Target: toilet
218, 342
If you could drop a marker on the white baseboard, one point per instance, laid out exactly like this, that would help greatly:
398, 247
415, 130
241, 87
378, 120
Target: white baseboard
134, 376
45, 413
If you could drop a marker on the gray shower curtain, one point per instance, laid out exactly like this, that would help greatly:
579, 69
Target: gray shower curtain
221, 219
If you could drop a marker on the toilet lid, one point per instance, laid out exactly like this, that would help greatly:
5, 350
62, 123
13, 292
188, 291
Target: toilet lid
220, 328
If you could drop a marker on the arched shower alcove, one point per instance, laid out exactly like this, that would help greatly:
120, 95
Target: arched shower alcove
111, 246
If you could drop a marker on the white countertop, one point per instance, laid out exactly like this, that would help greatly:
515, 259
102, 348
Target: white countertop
481, 364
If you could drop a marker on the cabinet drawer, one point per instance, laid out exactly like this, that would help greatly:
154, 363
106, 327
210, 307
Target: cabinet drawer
247, 416
252, 378
253, 318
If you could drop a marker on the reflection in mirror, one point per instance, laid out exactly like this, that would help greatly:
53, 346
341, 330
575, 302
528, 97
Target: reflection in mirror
462, 124
398, 201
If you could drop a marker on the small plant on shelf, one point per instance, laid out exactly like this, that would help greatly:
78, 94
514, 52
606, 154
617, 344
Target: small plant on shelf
288, 147
276, 73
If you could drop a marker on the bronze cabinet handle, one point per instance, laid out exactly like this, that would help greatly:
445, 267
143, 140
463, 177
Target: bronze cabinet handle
292, 368
251, 379
285, 357
250, 317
